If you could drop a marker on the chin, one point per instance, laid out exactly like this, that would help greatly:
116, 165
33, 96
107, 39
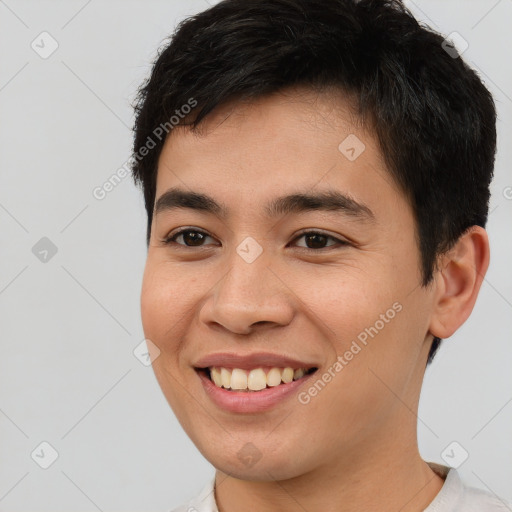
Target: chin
263, 464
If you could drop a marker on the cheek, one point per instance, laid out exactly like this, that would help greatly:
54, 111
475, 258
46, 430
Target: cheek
345, 301
375, 325
153, 301
162, 307
381, 352
162, 304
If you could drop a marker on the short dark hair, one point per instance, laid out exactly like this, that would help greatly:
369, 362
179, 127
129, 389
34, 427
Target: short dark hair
434, 120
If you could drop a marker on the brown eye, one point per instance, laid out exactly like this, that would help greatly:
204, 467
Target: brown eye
191, 238
316, 240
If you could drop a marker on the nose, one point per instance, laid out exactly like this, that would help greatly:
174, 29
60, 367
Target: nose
248, 297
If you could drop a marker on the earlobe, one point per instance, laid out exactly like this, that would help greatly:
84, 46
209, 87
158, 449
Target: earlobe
458, 281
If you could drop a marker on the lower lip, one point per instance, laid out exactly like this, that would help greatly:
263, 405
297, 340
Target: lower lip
247, 401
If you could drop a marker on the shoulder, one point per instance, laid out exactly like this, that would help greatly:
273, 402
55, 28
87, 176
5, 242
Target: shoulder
455, 496
478, 500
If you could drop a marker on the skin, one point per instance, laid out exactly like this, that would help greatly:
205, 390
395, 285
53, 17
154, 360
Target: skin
353, 446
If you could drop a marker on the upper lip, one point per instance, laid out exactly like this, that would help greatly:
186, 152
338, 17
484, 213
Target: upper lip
249, 361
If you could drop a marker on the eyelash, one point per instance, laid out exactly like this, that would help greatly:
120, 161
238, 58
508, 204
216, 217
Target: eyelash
171, 239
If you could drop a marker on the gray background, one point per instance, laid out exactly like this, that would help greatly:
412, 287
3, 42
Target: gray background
68, 374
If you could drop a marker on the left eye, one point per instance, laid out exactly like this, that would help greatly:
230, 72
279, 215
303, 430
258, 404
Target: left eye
317, 239
314, 240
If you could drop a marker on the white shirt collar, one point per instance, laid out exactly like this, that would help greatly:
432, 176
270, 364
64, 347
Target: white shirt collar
449, 494
205, 500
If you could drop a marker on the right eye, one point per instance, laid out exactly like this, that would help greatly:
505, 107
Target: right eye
191, 237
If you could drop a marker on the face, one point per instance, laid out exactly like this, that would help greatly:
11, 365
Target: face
243, 278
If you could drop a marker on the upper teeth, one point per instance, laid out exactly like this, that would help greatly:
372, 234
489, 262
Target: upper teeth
255, 379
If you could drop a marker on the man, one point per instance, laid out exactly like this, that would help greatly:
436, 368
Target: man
316, 177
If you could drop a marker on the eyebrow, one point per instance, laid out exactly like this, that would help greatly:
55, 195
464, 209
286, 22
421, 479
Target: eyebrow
330, 200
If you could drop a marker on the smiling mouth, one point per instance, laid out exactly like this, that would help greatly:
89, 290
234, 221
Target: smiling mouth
257, 379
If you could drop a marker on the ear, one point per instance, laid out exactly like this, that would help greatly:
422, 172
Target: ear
458, 280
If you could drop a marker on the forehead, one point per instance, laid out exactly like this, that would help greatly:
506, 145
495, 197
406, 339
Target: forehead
291, 141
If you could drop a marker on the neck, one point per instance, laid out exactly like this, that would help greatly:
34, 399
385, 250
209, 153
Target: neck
385, 479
